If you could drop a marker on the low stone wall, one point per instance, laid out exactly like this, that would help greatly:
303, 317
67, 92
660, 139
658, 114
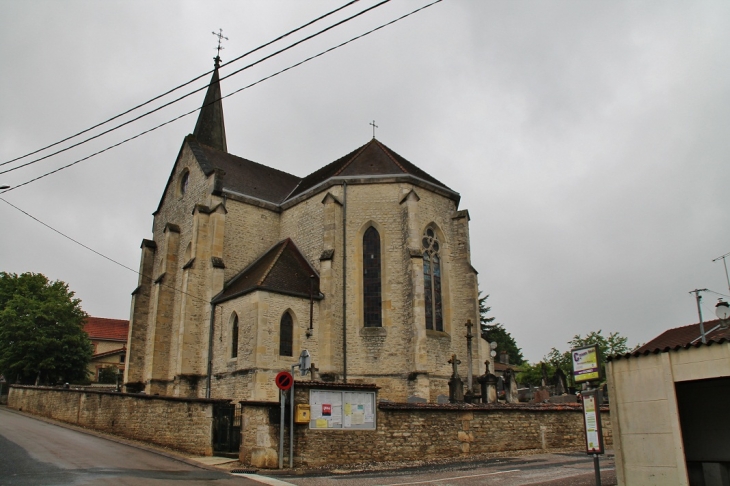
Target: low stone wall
180, 423
408, 432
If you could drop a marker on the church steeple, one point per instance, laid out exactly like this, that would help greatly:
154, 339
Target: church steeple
210, 128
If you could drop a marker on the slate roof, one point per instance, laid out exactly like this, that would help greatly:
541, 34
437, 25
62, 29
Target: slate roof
681, 338
107, 329
282, 269
371, 159
210, 128
244, 176
258, 181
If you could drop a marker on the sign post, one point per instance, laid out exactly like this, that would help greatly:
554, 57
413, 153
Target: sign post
284, 380
587, 369
303, 365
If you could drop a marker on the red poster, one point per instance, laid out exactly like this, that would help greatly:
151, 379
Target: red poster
326, 409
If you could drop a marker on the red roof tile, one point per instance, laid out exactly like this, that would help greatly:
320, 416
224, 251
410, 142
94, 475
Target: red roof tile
682, 337
107, 329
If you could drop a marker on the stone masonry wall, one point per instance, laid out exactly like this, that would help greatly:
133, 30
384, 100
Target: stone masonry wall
182, 424
408, 432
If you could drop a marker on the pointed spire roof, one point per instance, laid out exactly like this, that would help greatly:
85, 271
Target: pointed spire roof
210, 129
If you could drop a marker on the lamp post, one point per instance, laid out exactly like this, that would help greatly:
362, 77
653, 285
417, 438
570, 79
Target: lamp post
492, 354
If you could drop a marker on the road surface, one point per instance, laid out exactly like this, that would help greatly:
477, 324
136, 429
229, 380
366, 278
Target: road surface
33, 453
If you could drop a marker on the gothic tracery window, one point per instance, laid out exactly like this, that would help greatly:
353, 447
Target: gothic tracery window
286, 334
432, 281
372, 298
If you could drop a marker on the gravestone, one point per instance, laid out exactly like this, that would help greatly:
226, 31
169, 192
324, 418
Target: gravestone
510, 387
560, 382
456, 385
415, 399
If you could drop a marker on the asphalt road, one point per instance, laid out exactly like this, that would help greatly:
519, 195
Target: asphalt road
575, 469
33, 452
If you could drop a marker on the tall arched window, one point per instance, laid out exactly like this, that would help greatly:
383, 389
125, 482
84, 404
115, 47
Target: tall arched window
432, 281
286, 333
372, 299
234, 337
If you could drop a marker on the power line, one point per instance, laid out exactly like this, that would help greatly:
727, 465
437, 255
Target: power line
223, 97
195, 91
96, 252
182, 85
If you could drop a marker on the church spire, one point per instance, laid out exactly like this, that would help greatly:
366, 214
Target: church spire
210, 128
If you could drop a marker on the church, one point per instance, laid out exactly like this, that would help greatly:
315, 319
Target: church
365, 263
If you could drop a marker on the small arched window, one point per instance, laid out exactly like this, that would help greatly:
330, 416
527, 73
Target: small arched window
432, 281
234, 337
371, 280
286, 334
184, 179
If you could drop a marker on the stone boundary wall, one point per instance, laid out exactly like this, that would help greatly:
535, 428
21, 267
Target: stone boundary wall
179, 423
409, 432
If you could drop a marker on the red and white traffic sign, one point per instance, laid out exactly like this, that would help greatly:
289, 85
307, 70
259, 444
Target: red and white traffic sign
284, 380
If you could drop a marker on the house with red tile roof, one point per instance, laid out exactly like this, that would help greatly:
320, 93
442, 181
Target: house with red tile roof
109, 338
669, 402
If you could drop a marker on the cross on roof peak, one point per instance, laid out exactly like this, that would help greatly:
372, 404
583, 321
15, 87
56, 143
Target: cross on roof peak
220, 36
374, 127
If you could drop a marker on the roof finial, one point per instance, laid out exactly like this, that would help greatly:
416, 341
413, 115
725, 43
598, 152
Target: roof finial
374, 127
220, 38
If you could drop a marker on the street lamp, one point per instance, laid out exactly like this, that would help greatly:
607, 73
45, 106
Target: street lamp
4, 187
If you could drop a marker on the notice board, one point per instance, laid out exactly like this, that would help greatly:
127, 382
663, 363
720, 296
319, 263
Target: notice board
342, 409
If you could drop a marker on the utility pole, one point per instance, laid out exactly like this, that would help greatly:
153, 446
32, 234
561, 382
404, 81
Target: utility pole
699, 311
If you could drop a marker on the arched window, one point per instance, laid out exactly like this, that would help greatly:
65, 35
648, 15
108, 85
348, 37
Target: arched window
372, 299
234, 337
432, 281
286, 333
184, 179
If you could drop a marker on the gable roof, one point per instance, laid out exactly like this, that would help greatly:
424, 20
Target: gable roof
243, 176
282, 270
107, 329
682, 338
105, 354
253, 180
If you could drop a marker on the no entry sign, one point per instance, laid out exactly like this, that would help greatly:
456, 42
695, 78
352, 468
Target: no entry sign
284, 380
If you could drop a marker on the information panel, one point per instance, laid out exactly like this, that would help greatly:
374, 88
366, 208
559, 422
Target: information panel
341, 409
586, 364
592, 422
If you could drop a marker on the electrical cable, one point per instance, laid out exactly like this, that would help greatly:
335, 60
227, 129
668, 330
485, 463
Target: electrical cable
193, 92
222, 97
98, 253
182, 85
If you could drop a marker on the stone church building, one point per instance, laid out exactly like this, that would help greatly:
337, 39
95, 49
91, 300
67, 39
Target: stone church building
365, 263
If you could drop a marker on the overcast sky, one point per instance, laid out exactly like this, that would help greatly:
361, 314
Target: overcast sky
588, 140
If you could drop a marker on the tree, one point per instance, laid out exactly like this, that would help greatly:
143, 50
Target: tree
42, 339
610, 345
497, 333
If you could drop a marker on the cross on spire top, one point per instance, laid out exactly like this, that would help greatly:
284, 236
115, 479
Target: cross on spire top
374, 127
220, 36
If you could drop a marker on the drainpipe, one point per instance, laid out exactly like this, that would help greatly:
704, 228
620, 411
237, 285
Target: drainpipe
210, 350
344, 281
